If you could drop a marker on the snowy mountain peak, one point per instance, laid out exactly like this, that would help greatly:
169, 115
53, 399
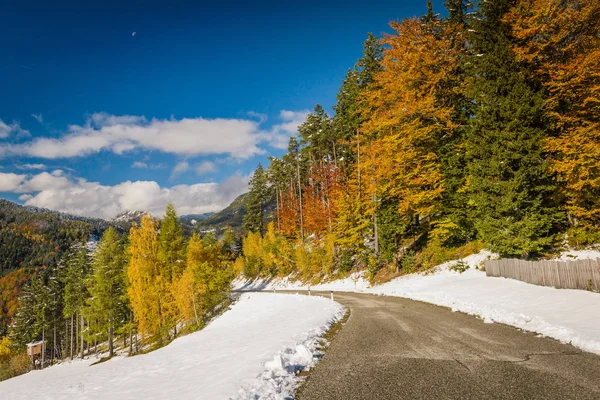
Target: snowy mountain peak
129, 216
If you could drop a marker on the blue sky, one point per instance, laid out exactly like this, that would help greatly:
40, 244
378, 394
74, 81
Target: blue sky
127, 105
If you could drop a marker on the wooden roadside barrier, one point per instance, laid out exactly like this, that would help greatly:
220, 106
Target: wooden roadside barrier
575, 274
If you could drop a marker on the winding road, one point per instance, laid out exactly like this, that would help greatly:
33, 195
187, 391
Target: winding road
395, 348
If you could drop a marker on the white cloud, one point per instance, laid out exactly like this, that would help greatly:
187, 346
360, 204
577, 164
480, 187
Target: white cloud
261, 117
4, 130
180, 168
38, 118
7, 130
9, 181
205, 167
189, 136
279, 135
31, 166
80, 197
237, 138
144, 165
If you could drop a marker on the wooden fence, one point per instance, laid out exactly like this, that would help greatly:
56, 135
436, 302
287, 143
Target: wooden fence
577, 274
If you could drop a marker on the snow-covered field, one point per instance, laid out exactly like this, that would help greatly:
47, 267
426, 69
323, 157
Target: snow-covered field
571, 316
252, 349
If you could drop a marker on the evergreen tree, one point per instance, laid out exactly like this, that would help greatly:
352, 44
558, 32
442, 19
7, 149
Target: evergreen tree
456, 11
254, 219
348, 118
510, 187
317, 139
171, 245
107, 286
560, 42
455, 226
76, 271
430, 17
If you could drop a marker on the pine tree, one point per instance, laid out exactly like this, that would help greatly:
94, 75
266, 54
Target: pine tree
76, 272
455, 226
509, 185
348, 117
107, 286
171, 245
560, 42
294, 160
456, 11
254, 219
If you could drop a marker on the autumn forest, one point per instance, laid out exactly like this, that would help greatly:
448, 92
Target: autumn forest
473, 127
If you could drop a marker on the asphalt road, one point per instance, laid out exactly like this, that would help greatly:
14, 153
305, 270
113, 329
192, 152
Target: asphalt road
394, 348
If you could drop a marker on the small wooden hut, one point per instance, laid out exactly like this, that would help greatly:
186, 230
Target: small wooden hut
36, 351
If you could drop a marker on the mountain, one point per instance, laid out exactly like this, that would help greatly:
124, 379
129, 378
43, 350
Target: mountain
195, 217
232, 216
32, 237
129, 216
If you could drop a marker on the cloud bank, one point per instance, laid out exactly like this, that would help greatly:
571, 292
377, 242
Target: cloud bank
80, 197
237, 138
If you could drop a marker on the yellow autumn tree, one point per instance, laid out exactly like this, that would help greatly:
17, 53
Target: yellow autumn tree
406, 123
149, 291
185, 291
560, 40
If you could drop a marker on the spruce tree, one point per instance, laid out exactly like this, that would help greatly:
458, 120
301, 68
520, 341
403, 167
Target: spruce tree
256, 201
455, 219
171, 245
76, 271
456, 11
107, 286
509, 185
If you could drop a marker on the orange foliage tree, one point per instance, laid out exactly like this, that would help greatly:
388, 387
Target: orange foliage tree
561, 42
406, 123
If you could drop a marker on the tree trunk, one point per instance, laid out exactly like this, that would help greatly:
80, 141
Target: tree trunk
66, 349
72, 329
194, 304
54, 344
110, 336
43, 347
81, 332
278, 223
375, 230
358, 166
130, 333
300, 202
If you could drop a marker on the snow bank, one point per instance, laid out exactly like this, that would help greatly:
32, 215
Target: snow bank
571, 316
235, 351
354, 283
589, 254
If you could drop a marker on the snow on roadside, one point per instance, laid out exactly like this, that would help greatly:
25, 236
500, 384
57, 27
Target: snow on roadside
571, 316
354, 283
235, 351
278, 379
589, 254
